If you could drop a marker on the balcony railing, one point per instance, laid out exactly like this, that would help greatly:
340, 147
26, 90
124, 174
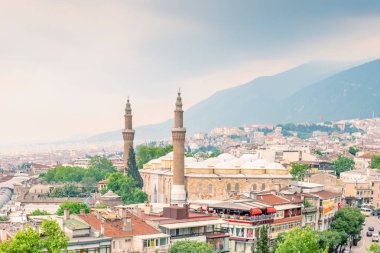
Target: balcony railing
217, 231
311, 209
247, 218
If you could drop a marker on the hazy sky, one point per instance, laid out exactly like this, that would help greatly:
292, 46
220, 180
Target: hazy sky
67, 67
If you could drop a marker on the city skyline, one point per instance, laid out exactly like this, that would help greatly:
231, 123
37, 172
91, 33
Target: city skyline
67, 68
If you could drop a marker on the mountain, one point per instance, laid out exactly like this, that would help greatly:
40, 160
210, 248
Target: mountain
353, 93
257, 101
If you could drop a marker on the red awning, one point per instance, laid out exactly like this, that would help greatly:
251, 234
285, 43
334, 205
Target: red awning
256, 211
271, 210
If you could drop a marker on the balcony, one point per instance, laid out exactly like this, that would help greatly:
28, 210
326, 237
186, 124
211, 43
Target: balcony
263, 217
159, 249
311, 209
214, 232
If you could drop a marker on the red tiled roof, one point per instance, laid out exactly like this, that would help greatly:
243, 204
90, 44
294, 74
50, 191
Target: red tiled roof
325, 194
115, 228
102, 181
271, 199
192, 217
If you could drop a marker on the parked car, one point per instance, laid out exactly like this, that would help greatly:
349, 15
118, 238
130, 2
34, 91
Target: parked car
369, 233
375, 238
371, 228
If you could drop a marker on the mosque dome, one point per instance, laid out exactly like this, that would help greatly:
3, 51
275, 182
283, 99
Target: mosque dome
224, 165
225, 157
274, 166
189, 160
260, 163
197, 165
248, 157
211, 161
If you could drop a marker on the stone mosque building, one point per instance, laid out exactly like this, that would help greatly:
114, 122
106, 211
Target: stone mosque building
176, 179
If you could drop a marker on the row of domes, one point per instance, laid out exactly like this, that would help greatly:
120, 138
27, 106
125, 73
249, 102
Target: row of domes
224, 161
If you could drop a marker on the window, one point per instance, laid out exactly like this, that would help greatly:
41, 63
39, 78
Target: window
113, 244
236, 187
228, 187
200, 188
254, 187
263, 187
210, 189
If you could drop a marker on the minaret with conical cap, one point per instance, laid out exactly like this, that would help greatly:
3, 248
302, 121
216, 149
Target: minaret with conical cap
178, 192
128, 133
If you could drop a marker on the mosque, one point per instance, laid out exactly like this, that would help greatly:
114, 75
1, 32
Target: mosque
176, 179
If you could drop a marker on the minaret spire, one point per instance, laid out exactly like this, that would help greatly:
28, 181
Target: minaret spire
178, 192
128, 133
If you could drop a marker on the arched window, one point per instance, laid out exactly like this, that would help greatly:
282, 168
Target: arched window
201, 188
263, 187
254, 187
228, 187
210, 189
236, 187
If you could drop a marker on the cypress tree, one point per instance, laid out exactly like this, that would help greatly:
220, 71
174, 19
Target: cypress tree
262, 241
133, 170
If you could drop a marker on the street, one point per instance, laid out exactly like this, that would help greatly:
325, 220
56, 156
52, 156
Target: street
365, 242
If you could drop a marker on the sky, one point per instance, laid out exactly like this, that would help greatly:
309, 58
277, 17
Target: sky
67, 67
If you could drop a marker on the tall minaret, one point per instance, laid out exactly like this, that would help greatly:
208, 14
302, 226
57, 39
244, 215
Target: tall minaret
128, 133
178, 192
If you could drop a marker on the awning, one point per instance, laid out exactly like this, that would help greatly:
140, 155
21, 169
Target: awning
271, 210
256, 211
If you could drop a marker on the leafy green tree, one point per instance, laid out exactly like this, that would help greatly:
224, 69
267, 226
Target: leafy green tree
68, 190
300, 241
318, 152
331, 239
191, 247
342, 164
146, 153
353, 150
39, 212
73, 207
262, 241
4, 218
132, 169
375, 162
375, 248
89, 184
348, 221
299, 171
126, 188
52, 239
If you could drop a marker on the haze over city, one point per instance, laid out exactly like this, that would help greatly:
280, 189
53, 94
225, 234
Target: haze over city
67, 67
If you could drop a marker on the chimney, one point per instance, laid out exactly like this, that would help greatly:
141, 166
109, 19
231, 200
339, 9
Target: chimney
98, 215
127, 224
102, 228
82, 211
66, 214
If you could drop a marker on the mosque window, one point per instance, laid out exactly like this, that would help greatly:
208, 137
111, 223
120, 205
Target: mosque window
210, 188
254, 187
263, 187
236, 187
228, 187
201, 188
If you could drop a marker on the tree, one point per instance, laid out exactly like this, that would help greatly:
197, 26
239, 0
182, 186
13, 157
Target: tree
330, 239
318, 152
88, 183
262, 241
38, 212
342, 164
300, 241
375, 248
353, 150
68, 190
51, 239
54, 239
348, 221
132, 169
191, 247
126, 188
375, 162
146, 153
299, 171
73, 207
